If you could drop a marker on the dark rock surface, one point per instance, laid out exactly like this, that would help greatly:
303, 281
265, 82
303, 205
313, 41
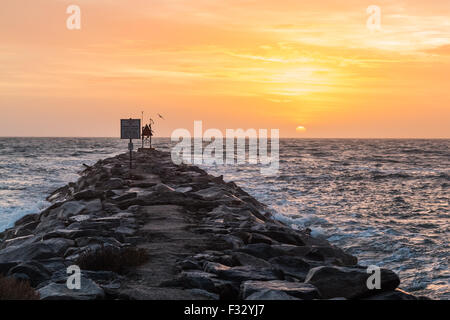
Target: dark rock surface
205, 238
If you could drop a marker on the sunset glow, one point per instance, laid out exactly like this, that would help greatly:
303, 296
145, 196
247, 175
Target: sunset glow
229, 63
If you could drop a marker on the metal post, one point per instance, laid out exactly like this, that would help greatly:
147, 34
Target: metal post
130, 146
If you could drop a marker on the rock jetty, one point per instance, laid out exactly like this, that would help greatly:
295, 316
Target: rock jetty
204, 239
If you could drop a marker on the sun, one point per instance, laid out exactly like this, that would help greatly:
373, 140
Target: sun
300, 129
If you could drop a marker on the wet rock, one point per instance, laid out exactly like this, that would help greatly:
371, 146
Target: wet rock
244, 259
270, 295
197, 279
125, 196
204, 293
161, 188
348, 282
71, 234
259, 238
113, 183
79, 218
261, 250
29, 218
87, 241
183, 189
20, 241
296, 289
88, 195
21, 253
25, 229
125, 231
92, 207
59, 245
35, 271
336, 255
209, 194
243, 273
188, 264
101, 276
68, 209
292, 266
285, 236
49, 224
6, 266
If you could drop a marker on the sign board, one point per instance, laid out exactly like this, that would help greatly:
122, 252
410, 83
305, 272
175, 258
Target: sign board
130, 128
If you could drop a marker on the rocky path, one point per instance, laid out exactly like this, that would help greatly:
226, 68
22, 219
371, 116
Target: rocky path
205, 239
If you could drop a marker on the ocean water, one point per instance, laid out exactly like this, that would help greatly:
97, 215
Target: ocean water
386, 201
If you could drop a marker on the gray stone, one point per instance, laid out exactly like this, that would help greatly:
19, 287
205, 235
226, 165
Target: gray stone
29, 218
126, 231
161, 187
6, 266
93, 207
68, 209
204, 293
49, 224
87, 195
212, 193
113, 183
125, 196
292, 266
35, 271
21, 253
261, 250
79, 218
243, 273
245, 259
59, 245
348, 282
270, 295
70, 234
197, 279
183, 189
296, 289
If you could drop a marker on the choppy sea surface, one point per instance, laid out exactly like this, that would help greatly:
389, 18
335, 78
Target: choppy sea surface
385, 201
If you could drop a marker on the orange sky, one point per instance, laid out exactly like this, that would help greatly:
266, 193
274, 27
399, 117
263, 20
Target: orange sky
233, 64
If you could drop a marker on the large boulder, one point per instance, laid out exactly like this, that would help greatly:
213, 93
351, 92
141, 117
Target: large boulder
292, 266
295, 289
348, 282
93, 207
28, 252
35, 272
197, 279
67, 209
242, 273
59, 245
245, 259
212, 193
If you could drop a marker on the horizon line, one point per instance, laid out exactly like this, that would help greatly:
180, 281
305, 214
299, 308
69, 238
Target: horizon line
336, 138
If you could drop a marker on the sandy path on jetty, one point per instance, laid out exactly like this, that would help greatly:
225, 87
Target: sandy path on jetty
168, 241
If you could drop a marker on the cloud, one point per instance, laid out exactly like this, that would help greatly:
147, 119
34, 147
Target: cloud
441, 50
